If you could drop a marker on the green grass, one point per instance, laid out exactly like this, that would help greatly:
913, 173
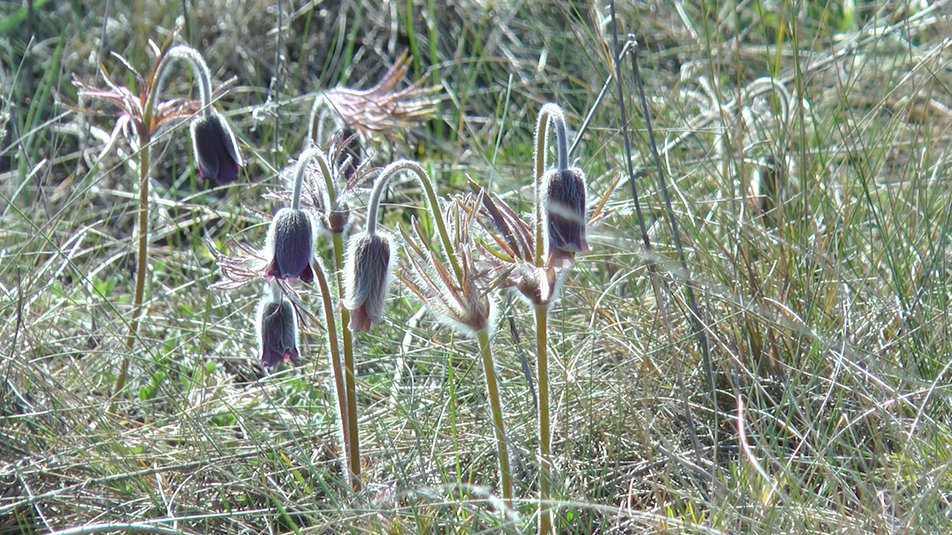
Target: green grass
828, 323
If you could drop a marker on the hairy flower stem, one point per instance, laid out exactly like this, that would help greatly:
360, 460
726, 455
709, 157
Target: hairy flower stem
495, 405
200, 72
549, 114
339, 384
350, 379
142, 266
545, 432
482, 336
424, 179
300, 169
144, 132
349, 391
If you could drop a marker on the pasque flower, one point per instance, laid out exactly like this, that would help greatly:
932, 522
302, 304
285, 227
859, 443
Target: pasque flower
146, 113
560, 195
366, 278
215, 148
277, 329
213, 142
565, 219
291, 245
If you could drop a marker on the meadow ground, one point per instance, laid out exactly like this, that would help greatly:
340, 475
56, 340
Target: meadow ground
779, 363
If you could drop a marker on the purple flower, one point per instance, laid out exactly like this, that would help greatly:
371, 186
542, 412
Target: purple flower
291, 245
366, 278
277, 331
215, 148
565, 218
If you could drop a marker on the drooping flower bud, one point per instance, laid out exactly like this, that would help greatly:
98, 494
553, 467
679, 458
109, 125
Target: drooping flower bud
366, 279
291, 245
277, 331
215, 148
565, 218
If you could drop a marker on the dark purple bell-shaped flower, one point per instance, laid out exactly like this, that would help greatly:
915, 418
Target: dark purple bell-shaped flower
366, 278
277, 331
565, 218
291, 245
215, 148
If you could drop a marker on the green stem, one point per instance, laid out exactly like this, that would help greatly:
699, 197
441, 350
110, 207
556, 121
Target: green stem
350, 380
502, 450
545, 433
350, 384
548, 115
144, 131
142, 266
200, 72
339, 384
430, 192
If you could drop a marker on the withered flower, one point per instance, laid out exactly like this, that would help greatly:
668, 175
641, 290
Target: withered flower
509, 254
462, 302
382, 108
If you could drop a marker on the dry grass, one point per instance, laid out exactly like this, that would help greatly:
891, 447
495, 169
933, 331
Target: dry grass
828, 317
